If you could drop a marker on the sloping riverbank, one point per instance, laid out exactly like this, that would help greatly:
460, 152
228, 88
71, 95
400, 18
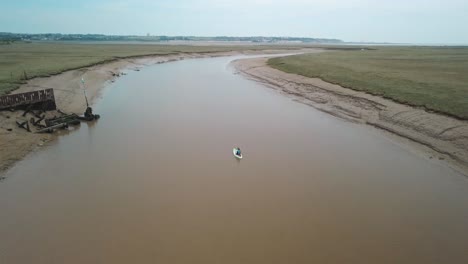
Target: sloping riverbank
440, 136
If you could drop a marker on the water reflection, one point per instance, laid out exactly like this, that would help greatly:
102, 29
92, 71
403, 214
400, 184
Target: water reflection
154, 180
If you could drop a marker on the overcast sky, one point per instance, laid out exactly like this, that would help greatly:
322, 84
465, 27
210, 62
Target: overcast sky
404, 21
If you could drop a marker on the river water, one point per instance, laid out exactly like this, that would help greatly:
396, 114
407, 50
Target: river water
155, 181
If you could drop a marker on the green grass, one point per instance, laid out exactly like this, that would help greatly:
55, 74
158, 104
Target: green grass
43, 59
435, 78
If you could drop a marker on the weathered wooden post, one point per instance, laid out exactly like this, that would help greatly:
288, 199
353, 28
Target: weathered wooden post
84, 91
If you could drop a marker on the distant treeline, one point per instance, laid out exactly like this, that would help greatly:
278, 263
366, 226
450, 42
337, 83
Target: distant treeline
10, 37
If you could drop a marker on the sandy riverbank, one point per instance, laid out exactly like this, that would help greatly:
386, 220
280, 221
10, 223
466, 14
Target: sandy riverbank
438, 136
16, 143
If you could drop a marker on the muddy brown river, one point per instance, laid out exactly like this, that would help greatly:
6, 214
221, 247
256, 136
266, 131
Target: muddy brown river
155, 181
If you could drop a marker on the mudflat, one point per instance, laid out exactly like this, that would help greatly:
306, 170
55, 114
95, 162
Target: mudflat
432, 78
441, 136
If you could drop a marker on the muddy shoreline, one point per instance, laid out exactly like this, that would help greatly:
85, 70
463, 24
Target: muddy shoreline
434, 135
16, 143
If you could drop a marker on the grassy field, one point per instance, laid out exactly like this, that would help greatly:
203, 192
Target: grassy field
22, 61
432, 77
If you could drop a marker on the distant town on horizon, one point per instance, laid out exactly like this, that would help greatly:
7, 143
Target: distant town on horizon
11, 37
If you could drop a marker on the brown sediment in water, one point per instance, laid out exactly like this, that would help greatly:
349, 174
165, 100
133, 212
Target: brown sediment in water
164, 187
16, 142
438, 136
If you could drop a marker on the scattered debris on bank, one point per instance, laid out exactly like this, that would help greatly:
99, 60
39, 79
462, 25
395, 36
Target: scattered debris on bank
40, 113
42, 99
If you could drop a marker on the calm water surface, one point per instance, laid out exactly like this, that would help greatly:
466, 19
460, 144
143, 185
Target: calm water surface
155, 181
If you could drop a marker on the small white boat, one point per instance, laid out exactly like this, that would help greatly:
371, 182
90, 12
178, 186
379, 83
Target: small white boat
234, 151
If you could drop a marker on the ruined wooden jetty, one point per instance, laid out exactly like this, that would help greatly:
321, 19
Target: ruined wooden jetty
38, 100
37, 103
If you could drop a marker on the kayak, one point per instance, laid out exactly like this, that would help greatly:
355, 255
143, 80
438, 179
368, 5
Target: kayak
234, 151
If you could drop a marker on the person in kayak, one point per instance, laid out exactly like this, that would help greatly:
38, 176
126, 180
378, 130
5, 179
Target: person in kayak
238, 151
